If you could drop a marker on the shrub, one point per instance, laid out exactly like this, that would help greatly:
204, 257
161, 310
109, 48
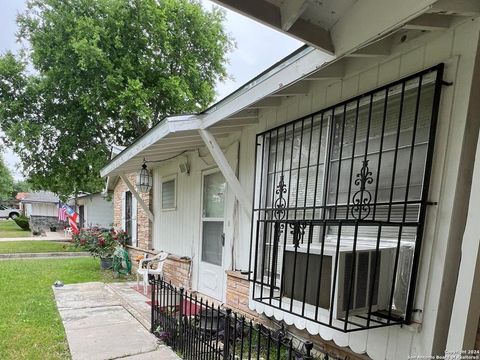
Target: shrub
100, 242
22, 222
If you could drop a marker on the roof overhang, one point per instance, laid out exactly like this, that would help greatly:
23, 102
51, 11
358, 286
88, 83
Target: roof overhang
160, 142
341, 27
357, 37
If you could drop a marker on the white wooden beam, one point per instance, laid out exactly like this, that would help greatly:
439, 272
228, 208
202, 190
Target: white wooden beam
240, 123
456, 7
369, 20
226, 170
137, 196
463, 325
290, 11
268, 102
429, 22
313, 35
269, 14
330, 72
245, 114
381, 48
299, 88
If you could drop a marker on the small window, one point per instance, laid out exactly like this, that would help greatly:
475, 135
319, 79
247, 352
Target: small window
168, 195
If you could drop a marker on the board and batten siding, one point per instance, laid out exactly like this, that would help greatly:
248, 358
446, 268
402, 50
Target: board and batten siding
177, 231
457, 48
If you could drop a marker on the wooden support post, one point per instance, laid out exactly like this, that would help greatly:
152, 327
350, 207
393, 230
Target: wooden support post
226, 170
137, 196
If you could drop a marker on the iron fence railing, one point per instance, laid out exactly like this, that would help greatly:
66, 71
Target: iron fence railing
197, 329
340, 204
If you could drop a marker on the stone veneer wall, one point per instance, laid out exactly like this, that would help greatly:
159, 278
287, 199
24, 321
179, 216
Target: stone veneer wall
144, 225
39, 223
237, 299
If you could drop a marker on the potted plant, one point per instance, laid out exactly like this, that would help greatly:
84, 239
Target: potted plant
100, 243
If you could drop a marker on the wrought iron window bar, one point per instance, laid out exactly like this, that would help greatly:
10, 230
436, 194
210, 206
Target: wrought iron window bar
340, 199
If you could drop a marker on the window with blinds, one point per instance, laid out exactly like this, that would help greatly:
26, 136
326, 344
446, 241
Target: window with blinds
168, 195
347, 187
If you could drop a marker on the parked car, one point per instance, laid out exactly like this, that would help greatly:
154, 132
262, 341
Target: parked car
8, 212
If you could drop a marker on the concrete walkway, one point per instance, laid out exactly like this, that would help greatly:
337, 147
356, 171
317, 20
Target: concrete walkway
50, 236
99, 325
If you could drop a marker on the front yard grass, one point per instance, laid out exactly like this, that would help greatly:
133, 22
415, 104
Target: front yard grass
9, 229
30, 325
35, 246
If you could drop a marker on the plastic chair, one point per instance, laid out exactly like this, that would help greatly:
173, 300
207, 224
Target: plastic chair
68, 231
145, 268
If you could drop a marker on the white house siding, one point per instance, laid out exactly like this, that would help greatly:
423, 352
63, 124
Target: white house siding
98, 211
177, 231
44, 209
457, 48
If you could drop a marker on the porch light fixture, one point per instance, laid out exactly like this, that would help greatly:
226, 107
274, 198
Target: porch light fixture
144, 179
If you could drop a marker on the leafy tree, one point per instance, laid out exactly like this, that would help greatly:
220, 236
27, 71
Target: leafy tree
101, 72
6, 181
21, 186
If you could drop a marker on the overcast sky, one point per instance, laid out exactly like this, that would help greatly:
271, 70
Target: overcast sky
258, 47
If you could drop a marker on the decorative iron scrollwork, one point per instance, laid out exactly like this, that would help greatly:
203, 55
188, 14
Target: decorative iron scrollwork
280, 202
298, 231
362, 198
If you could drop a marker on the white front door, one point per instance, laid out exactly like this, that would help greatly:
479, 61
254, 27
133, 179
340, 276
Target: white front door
211, 272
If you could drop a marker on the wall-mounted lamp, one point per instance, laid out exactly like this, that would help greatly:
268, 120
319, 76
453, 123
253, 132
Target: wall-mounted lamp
144, 179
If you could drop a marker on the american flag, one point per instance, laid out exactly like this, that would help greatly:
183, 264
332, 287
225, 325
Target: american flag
62, 214
71, 214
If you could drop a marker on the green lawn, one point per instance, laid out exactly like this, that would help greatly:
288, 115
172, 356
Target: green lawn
9, 229
30, 326
35, 246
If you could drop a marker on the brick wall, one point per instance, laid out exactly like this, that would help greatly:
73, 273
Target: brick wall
144, 225
237, 294
237, 299
175, 270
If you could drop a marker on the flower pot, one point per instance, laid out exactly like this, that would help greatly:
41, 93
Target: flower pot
106, 263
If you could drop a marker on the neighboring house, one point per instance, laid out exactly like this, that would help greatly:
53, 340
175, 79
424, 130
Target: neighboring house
19, 197
93, 210
42, 209
348, 190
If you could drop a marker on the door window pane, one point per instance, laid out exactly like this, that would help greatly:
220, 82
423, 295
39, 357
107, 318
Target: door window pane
213, 195
212, 243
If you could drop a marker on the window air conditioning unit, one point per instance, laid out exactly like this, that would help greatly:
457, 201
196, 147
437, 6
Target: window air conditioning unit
340, 285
